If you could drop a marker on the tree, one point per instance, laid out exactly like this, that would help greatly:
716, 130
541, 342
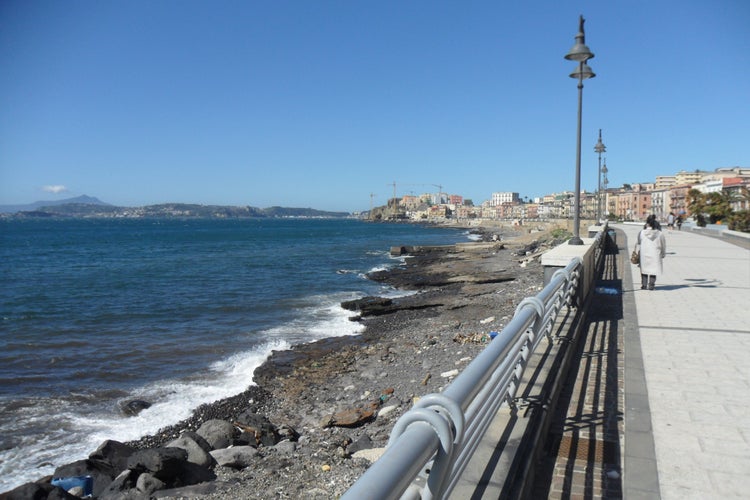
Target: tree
696, 204
719, 205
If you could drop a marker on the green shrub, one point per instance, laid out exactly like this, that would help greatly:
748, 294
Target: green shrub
561, 234
739, 221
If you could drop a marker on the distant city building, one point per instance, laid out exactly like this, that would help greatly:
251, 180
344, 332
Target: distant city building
665, 181
683, 177
410, 202
500, 198
660, 203
630, 202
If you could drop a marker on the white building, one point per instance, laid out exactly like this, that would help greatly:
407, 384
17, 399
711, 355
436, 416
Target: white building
500, 198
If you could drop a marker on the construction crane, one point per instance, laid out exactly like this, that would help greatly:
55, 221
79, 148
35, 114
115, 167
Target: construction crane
395, 200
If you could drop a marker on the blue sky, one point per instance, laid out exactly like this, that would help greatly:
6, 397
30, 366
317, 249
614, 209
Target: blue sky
323, 103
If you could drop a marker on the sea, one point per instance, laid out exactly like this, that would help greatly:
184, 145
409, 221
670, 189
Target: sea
176, 312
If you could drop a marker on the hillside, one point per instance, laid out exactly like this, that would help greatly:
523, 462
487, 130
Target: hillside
86, 206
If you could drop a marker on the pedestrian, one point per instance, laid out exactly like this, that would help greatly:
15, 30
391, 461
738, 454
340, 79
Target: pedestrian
678, 220
653, 247
670, 221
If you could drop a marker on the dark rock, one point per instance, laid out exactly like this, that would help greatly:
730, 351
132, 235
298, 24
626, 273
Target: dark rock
259, 427
236, 457
134, 407
114, 453
169, 465
363, 443
366, 304
100, 471
195, 452
148, 484
286, 432
120, 487
218, 433
199, 440
379, 306
37, 491
163, 463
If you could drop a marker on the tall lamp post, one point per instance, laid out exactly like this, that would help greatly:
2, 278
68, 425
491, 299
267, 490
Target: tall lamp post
599, 149
604, 183
579, 53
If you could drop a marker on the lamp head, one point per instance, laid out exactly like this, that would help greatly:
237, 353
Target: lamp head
582, 72
600, 147
580, 52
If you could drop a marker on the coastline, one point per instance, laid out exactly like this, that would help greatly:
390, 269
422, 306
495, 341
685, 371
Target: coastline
411, 349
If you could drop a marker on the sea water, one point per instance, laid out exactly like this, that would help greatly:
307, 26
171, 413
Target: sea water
176, 312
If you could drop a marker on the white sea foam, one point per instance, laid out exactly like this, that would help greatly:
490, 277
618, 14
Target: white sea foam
70, 436
320, 317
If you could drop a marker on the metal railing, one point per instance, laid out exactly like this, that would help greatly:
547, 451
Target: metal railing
433, 442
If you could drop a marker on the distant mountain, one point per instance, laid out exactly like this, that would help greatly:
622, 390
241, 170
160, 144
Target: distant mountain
87, 206
300, 212
78, 200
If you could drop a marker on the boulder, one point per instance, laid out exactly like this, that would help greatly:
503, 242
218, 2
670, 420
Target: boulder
164, 463
256, 429
114, 453
148, 484
369, 306
37, 491
199, 440
169, 465
133, 407
120, 488
196, 453
236, 457
218, 433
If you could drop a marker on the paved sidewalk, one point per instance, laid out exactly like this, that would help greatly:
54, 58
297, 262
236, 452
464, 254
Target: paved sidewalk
694, 333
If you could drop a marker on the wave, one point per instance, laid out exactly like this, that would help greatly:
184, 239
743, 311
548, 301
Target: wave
48, 432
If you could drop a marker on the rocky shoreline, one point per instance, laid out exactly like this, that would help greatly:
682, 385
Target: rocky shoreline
321, 412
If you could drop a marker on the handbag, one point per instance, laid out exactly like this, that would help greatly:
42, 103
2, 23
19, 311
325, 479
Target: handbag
635, 257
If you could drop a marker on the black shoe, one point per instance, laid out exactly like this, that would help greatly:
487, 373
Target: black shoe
651, 287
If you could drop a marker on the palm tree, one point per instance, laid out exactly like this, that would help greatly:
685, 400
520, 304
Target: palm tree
696, 202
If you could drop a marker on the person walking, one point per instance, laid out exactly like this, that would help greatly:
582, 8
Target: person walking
670, 221
653, 247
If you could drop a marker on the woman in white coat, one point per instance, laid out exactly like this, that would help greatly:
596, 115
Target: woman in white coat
653, 248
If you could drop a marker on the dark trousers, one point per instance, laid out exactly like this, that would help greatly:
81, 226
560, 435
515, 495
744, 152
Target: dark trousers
648, 281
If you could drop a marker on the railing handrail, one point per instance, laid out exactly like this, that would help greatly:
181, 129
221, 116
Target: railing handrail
443, 430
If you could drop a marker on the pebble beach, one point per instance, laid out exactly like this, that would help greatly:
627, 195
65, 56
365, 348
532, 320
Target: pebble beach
337, 399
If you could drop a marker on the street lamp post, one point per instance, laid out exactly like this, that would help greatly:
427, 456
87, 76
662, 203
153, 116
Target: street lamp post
604, 183
579, 53
599, 149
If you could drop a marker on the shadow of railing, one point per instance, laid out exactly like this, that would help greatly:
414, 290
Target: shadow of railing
583, 450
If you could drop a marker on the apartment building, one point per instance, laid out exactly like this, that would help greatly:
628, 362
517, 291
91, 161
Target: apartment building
500, 198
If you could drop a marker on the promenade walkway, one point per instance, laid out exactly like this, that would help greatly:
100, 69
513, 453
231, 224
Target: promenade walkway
642, 394
657, 400
694, 332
